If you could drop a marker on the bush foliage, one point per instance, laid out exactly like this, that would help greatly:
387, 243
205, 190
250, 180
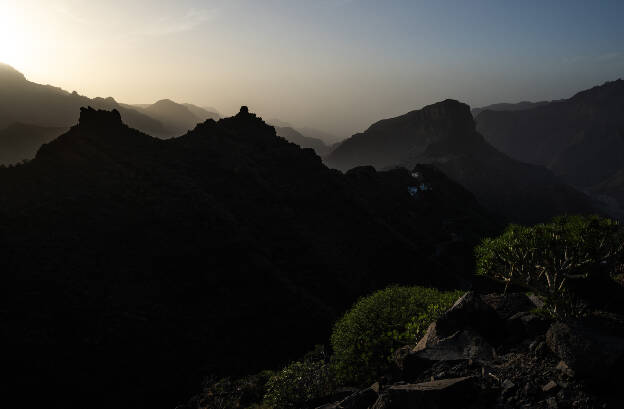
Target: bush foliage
548, 258
300, 383
365, 338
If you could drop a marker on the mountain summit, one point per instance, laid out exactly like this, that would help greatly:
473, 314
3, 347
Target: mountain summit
389, 142
444, 134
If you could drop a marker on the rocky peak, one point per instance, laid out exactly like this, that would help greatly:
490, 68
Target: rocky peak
99, 119
457, 113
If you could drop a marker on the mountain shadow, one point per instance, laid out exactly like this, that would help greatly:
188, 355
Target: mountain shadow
135, 266
444, 135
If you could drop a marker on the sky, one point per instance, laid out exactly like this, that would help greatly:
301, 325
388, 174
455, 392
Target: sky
337, 65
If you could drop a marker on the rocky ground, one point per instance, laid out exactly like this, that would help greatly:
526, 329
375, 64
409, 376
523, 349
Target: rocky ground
494, 351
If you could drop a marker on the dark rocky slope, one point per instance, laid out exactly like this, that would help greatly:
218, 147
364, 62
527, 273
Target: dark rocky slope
444, 135
134, 266
494, 351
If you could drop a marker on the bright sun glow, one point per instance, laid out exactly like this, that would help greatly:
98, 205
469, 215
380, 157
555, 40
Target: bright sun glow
14, 38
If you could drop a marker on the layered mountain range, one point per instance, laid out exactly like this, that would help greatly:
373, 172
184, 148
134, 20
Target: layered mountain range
158, 262
27, 107
580, 139
444, 135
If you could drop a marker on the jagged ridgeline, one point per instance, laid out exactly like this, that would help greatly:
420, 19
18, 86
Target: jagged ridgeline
134, 266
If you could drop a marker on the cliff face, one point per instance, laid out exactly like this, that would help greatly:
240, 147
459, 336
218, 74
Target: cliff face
146, 264
389, 142
444, 135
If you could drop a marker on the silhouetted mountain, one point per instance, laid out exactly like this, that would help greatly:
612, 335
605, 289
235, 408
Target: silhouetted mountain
327, 138
22, 101
293, 136
580, 139
519, 106
223, 251
21, 141
444, 134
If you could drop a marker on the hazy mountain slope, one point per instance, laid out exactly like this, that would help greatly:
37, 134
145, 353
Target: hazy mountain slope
21, 141
580, 139
23, 101
519, 106
326, 137
177, 117
202, 113
296, 137
444, 134
137, 265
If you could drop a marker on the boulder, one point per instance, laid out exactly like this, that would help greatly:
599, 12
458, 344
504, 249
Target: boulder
457, 335
506, 305
471, 312
462, 345
587, 351
523, 325
441, 394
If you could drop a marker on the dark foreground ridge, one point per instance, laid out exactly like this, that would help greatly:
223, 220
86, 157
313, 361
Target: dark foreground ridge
137, 266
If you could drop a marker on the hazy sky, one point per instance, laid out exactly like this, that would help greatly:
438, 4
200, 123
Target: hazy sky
334, 64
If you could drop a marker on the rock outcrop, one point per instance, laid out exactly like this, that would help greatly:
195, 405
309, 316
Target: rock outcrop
531, 363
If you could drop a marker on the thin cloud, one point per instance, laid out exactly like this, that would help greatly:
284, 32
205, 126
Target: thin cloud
189, 21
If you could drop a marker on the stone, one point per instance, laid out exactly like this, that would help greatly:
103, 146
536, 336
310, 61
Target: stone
588, 352
550, 386
523, 325
465, 345
552, 403
506, 305
507, 388
565, 369
471, 312
440, 394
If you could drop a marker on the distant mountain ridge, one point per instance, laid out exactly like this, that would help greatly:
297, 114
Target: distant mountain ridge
518, 106
44, 105
37, 106
581, 139
444, 134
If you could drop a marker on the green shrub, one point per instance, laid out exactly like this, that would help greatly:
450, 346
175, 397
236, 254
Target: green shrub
233, 393
365, 338
300, 383
547, 258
